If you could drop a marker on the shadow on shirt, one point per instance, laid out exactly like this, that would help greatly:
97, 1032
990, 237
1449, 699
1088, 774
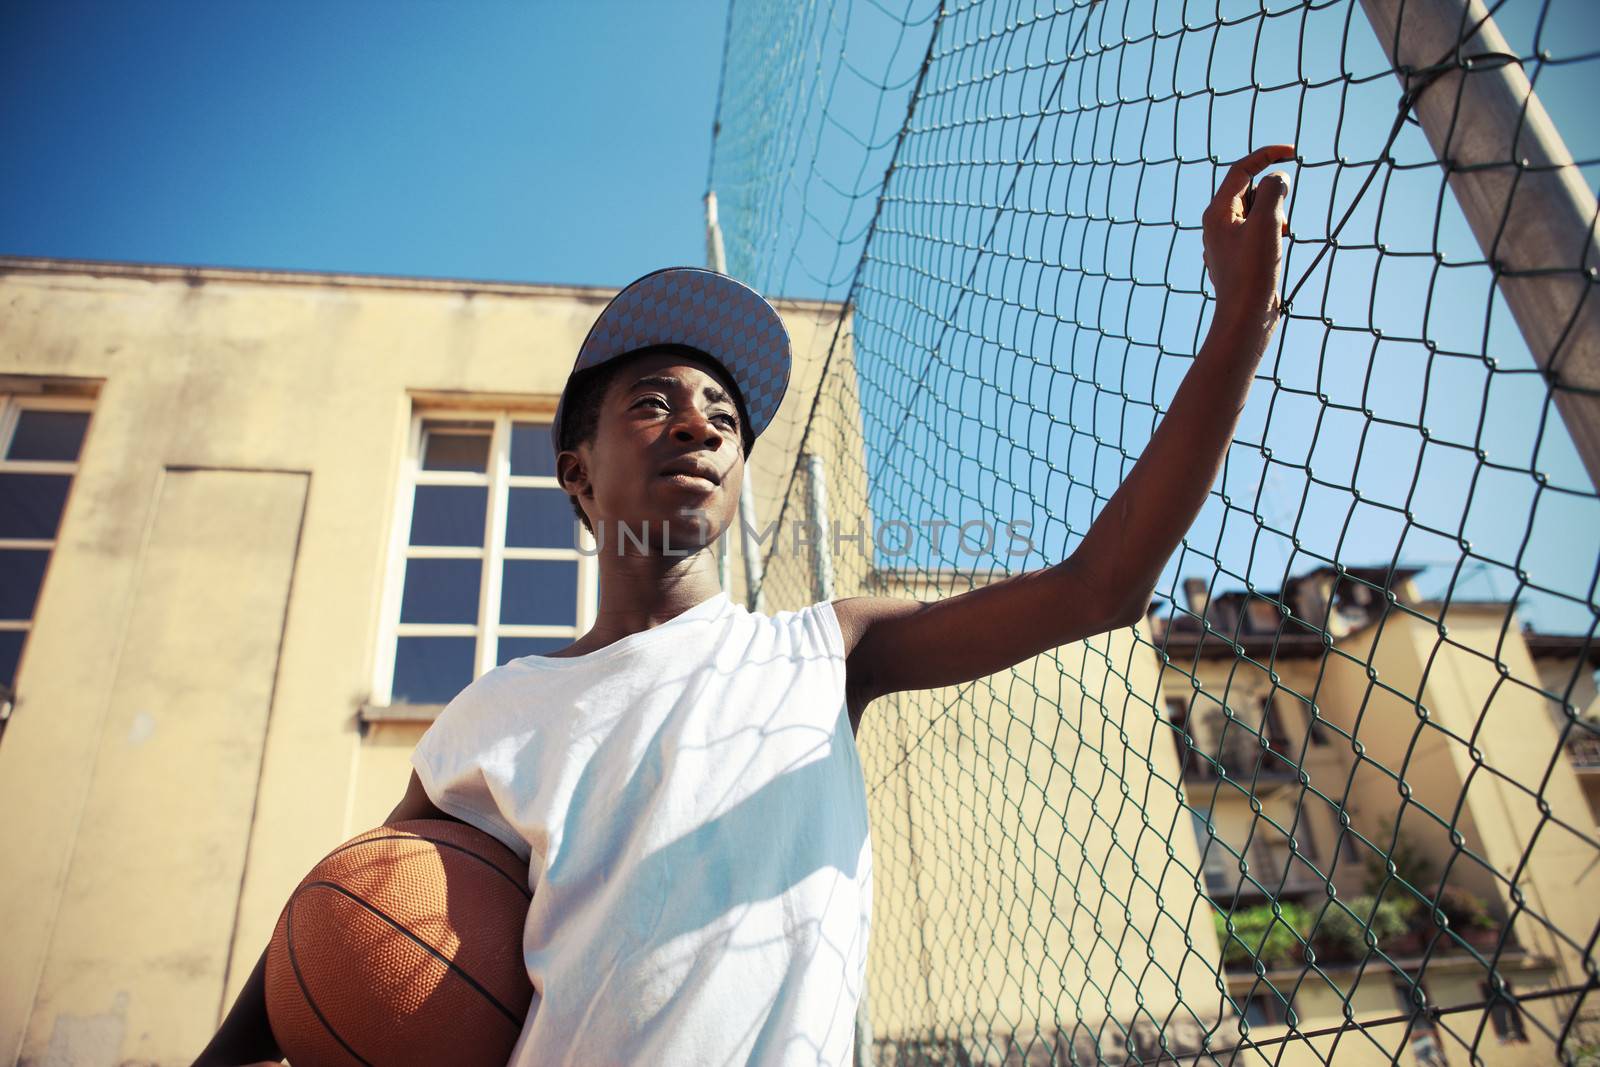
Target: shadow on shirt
810, 816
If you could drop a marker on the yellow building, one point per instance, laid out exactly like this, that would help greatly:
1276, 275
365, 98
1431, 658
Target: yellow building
1566, 665
1355, 728
258, 526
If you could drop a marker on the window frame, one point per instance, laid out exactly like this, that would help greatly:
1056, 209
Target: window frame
1505, 1015
1219, 865
1272, 1008
12, 406
486, 630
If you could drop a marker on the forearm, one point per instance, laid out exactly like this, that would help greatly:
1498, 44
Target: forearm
1134, 536
895, 645
1105, 584
245, 1036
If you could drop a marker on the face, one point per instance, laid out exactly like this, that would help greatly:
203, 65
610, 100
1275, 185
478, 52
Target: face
666, 455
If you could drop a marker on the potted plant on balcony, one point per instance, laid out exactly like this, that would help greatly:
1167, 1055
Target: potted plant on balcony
1258, 934
1466, 914
1405, 921
1341, 933
1470, 918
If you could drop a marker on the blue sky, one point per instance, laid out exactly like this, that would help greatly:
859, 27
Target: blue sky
549, 142
966, 391
569, 142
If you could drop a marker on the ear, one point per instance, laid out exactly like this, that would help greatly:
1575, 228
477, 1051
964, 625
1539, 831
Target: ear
572, 472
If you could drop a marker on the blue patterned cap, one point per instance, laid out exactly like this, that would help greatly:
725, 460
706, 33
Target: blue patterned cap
693, 306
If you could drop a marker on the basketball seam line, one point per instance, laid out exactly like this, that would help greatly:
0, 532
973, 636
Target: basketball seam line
521, 888
294, 965
450, 964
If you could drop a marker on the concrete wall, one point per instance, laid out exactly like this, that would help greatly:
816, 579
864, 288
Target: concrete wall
1042, 811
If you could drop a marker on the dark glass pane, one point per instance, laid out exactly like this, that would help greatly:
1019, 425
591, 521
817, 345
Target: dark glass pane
431, 670
539, 592
10, 655
21, 574
31, 504
1259, 1011
540, 518
449, 515
531, 451
441, 590
450, 447
516, 647
54, 435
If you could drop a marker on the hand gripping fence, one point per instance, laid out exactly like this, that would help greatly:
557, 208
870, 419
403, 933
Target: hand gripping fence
1335, 798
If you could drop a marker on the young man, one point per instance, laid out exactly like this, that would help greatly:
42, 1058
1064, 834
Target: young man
682, 779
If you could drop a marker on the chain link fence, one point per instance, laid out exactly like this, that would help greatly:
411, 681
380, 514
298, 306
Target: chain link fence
1335, 799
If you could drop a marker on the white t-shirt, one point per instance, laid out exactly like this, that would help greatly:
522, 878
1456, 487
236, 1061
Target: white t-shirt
691, 805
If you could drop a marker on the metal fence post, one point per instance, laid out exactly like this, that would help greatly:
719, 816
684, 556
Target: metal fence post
822, 589
1527, 203
717, 259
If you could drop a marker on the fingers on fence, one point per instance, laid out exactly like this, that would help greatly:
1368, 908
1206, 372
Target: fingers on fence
1266, 204
1236, 183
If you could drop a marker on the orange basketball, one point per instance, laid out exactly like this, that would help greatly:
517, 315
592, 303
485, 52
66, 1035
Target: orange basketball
403, 946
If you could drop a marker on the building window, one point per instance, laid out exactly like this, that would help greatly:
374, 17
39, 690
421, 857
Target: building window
487, 564
1238, 743
1319, 728
1272, 726
1264, 1009
41, 438
1218, 864
1504, 1015
1426, 1047
1178, 716
1347, 838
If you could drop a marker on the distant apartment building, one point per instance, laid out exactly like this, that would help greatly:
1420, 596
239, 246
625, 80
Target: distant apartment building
1344, 721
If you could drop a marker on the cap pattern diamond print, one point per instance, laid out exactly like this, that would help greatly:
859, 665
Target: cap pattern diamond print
700, 308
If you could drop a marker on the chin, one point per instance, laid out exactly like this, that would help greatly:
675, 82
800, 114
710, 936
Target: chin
684, 527
694, 527
714, 510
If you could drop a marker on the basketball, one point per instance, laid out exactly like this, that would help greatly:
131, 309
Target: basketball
403, 946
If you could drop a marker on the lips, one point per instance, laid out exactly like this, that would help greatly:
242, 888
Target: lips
694, 469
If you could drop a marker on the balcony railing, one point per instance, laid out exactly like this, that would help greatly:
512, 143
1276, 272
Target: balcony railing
1241, 762
1267, 877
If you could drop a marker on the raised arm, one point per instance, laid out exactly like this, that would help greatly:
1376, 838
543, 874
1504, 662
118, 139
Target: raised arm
896, 644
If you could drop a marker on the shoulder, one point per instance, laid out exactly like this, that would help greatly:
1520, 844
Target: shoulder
857, 615
807, 630
473, 710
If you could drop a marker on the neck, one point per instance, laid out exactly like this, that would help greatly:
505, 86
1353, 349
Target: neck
641, 591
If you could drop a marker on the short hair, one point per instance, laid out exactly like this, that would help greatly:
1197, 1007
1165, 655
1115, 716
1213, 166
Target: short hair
580, 408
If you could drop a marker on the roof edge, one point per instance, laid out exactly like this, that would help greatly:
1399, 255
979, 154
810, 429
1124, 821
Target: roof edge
194, 274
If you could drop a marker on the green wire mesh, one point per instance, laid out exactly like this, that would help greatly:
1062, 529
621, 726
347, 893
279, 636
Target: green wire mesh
1336, 798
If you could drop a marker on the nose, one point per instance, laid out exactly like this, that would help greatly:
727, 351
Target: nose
692, 425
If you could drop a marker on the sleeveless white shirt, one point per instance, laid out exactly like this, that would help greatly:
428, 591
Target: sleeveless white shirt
691, 806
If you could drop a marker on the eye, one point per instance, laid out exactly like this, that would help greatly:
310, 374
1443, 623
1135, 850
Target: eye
651, 400
731, 422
